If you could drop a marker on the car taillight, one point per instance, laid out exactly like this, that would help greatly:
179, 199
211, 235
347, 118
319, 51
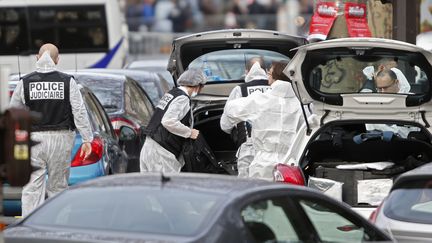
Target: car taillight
288, 174
374, 214
118, 122
95, 155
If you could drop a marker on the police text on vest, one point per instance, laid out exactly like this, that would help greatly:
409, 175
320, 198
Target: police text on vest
46, 90
163, 102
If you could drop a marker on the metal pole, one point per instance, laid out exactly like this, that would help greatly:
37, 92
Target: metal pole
406, 20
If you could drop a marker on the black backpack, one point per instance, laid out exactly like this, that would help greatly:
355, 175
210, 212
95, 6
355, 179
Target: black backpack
199, 157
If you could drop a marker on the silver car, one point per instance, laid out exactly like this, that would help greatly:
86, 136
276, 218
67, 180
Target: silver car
406, 214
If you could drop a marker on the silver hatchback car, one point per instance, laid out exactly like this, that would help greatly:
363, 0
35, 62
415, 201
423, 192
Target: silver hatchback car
406, 214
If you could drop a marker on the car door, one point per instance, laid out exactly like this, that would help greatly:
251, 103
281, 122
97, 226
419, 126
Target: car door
114, 157
269, 219
301, 216
333, 222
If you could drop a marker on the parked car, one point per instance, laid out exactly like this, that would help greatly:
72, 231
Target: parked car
152, 83
359, 135
192, 208
224, 54
156, 64
406, 214
107, 157
126, 104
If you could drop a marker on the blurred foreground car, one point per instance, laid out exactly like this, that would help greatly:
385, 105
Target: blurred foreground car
107, 156
406, 214
359, 138
223, 55
126, 104
191, 208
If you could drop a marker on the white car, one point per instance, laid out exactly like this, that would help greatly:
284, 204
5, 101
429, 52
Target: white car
358, 139
406, 214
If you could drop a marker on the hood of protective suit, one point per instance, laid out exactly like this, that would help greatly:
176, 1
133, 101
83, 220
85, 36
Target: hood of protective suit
256, 73
45, 63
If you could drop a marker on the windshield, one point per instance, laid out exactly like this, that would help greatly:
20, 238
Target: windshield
230, 65
350, 70
107, 89
128, 209
412, 202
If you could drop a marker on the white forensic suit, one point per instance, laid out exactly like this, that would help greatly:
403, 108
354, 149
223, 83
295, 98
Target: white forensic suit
275, 117
153, 156
245, 152
52, 155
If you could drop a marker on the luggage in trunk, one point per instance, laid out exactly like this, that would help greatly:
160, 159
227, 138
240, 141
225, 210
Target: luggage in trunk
350, 178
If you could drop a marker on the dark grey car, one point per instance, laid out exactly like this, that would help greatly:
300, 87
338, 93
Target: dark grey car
192, 208
126, 104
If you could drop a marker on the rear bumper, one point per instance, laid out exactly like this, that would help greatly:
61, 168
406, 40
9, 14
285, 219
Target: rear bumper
83, 173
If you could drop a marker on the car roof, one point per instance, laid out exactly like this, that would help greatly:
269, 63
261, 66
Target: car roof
419, 173
211, 183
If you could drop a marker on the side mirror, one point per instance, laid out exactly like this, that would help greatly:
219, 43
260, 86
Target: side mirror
127, 134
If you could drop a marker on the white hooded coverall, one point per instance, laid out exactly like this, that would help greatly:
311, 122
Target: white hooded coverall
52, 155
153, 156
245, 152
275, 117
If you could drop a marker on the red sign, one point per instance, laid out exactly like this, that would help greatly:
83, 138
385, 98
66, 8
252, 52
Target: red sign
322, 20
355, 15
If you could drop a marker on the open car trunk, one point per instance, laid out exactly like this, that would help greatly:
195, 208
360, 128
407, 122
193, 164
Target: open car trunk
207, 121
343, 145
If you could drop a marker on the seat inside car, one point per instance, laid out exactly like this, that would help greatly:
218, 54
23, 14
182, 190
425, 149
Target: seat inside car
261, 232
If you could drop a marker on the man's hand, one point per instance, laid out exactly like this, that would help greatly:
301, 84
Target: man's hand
194, 134
85, 150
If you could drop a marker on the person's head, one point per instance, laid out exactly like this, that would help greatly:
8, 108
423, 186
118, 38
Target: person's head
51, 49
276, 71
386, 81
193, 79
256, 72
252, 61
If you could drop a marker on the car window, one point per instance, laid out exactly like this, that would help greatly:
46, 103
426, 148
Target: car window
343, 70
107, 88
94, 113
129, 209
136, 103
228, 65
411, 202
104, 117
149, 84
268, 221
330, 225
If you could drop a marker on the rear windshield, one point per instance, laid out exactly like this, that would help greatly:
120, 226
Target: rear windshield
128, 209
107, 89
349, 70
230, 65
411, 203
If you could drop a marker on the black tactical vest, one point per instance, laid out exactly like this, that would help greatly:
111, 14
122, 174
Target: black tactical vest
243, 129
159, 133
48, 94
260, 85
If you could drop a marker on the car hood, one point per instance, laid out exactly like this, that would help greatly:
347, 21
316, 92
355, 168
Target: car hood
188, 48
312, 75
